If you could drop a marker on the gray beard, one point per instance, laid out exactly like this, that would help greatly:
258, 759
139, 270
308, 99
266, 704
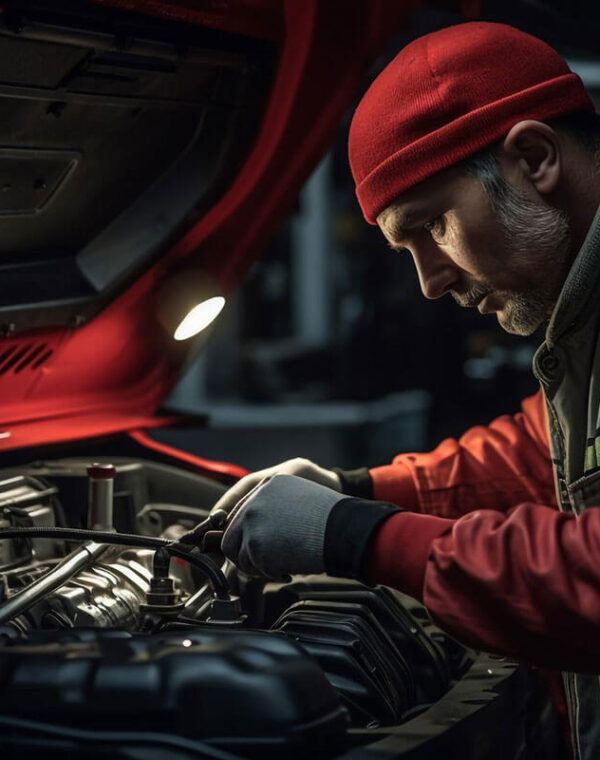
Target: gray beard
540, 235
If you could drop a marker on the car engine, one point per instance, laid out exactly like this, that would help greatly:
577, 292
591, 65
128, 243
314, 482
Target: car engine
126, 642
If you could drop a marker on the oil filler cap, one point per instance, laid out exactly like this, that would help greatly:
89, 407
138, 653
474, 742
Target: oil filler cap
101, 471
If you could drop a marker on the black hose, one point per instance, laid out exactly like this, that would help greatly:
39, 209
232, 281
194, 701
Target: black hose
118, 738
205, 564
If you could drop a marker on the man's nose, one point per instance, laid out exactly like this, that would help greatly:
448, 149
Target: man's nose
437, 273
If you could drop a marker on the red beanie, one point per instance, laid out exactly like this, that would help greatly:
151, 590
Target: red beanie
446, 96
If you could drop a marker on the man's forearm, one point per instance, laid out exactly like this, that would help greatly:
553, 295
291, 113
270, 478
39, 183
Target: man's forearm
495, 466
524, 584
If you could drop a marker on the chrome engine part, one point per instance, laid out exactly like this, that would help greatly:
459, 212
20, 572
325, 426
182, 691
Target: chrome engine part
27, 501
108, 583
107, 593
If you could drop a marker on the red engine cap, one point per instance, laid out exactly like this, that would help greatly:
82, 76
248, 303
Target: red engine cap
101, 471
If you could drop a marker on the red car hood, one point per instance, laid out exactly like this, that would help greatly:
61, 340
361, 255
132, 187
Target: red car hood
112, 373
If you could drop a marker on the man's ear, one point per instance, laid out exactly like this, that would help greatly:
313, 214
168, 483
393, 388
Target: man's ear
535, 147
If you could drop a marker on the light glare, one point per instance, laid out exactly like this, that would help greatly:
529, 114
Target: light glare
199, 318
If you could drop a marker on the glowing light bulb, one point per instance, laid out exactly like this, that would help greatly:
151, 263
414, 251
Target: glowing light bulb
199, 318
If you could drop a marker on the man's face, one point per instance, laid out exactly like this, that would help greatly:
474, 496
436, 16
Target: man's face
507, 256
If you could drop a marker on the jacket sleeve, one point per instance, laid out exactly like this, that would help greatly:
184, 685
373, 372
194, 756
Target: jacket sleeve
496, 466
525, 583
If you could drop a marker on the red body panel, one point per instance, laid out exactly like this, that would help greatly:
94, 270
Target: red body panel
199, 463
110, 373
253, 18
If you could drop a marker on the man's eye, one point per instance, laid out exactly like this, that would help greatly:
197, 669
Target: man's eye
436, 227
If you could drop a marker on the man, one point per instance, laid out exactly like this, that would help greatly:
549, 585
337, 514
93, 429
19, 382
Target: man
475, 151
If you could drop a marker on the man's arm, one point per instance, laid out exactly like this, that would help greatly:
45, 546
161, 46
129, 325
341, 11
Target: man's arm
523, 584
499, 466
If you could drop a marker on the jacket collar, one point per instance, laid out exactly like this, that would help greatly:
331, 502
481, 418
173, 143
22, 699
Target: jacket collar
575, 300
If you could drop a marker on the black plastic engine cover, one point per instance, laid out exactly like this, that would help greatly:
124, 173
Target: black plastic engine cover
373, 650
253, 692
357, 656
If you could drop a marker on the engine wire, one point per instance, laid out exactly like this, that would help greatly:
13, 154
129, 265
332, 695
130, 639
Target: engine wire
205, 564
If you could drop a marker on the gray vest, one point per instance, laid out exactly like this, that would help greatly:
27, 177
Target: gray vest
567, 364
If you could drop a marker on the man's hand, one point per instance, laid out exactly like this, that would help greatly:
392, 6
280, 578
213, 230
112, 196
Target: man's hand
279, 527
302, 468
289, 525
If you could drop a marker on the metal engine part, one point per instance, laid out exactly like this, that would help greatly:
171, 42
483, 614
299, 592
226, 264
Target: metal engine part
107, 589
27, 501
106, 594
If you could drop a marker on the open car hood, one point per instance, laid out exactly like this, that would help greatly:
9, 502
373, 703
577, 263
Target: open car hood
141, 138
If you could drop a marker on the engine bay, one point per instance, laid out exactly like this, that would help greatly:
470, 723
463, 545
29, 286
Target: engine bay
123, 641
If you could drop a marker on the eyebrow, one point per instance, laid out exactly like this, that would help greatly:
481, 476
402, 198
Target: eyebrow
399, 229
395, 246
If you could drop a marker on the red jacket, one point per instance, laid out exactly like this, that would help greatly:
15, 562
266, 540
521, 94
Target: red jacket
486, 549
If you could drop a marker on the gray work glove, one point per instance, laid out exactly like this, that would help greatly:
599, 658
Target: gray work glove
303, 468
289, 525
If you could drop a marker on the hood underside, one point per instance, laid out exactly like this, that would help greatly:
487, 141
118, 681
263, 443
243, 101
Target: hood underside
138, 139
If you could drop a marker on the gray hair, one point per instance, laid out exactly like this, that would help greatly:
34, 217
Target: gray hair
582, 127
517, 213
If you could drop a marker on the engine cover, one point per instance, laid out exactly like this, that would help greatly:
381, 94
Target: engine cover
233, 689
